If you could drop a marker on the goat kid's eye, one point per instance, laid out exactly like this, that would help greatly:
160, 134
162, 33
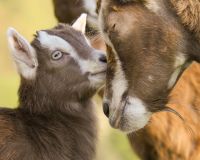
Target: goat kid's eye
56, 55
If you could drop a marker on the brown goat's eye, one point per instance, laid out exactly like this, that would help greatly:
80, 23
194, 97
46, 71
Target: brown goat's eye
56, 55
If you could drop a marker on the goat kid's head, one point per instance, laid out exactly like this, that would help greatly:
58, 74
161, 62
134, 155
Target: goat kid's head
60, 60
147, 51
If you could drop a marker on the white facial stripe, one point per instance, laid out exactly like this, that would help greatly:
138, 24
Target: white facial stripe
53, 42
174, 78
119, 82
119, 85
135, 115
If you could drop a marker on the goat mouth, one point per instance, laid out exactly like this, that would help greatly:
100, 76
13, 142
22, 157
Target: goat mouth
97, 73
117, 117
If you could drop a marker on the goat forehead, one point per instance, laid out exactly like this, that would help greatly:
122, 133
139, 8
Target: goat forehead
57, 39
53, 42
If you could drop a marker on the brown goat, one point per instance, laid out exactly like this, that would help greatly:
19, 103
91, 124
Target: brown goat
60, 72
149, 46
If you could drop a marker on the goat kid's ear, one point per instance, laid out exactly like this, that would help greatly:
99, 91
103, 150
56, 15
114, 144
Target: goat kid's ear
80, 23
23, 54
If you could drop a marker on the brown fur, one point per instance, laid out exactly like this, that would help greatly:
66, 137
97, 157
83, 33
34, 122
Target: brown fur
166, 137
66, 11
72, 8
147, 40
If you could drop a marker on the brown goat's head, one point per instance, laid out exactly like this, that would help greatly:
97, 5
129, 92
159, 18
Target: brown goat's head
147, 51
60, 61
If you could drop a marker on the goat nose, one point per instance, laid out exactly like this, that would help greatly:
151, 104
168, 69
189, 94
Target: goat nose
102, 58
106, 109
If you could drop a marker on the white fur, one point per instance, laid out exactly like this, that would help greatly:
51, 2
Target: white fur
119, 82
93, 67
53, 43
174, 77
180, 60
90, 6
23, 62
98, 80
119, 85
150, 78
135, 115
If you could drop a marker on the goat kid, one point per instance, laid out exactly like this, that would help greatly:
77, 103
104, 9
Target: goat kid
60, 72
66, 11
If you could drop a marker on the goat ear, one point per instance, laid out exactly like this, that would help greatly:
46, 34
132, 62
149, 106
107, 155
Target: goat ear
80, 23
23, 54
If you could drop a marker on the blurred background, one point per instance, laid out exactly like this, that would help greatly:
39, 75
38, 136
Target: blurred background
27, 17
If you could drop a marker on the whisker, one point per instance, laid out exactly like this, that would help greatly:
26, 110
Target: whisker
168, 109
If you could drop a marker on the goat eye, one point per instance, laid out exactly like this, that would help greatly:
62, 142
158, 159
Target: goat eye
57, 55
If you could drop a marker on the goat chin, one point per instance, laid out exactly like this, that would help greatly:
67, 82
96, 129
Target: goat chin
135, 116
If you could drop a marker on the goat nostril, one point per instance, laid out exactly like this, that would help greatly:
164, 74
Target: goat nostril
103, 59
106, 109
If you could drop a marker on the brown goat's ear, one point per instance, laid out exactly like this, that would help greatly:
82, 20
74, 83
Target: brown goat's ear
80, 23
23, 54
